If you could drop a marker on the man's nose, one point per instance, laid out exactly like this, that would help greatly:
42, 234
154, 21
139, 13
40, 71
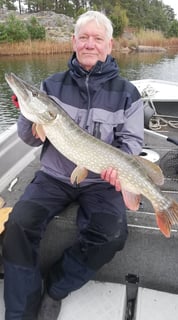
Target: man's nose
90, 43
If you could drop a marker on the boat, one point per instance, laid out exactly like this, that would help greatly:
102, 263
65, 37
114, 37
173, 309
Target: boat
140, 282
163, 94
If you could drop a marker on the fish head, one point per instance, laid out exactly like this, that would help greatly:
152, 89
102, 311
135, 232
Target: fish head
34, 104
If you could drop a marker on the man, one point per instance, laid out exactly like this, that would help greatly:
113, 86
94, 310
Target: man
108, 107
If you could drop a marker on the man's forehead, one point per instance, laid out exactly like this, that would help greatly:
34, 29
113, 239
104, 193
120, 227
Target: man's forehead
85, 30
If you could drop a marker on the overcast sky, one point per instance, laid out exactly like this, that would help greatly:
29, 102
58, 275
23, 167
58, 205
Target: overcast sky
173, 4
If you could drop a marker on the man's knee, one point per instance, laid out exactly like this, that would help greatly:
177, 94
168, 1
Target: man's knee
23, 233
105, 227
27, 214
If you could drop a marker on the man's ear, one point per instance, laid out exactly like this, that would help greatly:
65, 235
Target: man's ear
110, 46
74, 42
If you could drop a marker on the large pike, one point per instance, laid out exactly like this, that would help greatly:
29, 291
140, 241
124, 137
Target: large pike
136, 175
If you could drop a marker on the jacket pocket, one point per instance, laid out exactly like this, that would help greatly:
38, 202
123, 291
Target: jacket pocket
102, 124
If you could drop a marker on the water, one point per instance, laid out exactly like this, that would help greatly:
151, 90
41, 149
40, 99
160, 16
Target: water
134, 66
32, 69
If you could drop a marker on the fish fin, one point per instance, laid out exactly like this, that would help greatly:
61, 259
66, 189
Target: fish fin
2, 202
163, 224
40, 132
78, 175
132, 200
4, 216
166, 218
153, 170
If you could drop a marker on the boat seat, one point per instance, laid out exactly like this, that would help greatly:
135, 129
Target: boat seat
157, 305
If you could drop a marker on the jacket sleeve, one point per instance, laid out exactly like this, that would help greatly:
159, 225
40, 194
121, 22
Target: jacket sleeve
24, 129
129, 137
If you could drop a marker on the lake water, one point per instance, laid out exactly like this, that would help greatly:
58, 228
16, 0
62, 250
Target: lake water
134, 66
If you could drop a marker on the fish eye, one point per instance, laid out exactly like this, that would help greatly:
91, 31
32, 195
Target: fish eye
52, 114
35, 94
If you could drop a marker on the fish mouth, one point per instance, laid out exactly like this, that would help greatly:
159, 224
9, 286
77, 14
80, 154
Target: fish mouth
14, 81
9, 78
17, 85
25, 94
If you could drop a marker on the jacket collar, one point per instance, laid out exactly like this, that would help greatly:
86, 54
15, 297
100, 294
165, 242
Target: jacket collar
107, 68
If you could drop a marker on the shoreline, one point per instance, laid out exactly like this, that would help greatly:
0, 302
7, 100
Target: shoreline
49, 47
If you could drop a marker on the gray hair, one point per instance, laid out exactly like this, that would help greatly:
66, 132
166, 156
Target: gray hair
99, 17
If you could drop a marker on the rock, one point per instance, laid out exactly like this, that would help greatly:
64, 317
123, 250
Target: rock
150, 49
58, 26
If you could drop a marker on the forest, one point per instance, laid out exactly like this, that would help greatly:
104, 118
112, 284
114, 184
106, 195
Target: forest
136, 14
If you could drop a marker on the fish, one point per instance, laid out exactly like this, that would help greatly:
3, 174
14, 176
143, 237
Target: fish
137, 176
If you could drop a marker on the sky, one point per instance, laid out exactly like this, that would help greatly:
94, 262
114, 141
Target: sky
173, 4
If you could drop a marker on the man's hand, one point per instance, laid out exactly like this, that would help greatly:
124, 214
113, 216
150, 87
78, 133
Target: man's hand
38, 132
110, 175
34, 131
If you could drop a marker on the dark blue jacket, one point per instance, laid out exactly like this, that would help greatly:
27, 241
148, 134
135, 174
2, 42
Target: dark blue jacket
100, 101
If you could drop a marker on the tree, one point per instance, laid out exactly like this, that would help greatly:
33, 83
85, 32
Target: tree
173, 30
8, 4
3, 33
20, 7
16, 30
147, 14
2, 3
35, 30
119, 20
169, 12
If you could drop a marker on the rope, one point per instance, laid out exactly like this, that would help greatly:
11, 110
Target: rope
148, 91
158, 121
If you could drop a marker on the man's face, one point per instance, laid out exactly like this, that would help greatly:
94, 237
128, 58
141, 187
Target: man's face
91, 45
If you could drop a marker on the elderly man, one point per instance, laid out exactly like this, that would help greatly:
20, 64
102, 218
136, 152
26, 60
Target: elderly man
109, 108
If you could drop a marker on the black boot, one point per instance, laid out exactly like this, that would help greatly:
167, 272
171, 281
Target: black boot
49, 308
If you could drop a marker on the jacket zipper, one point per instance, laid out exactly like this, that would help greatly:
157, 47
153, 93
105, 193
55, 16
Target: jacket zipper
89, 101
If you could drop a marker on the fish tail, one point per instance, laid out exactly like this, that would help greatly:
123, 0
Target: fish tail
166, 218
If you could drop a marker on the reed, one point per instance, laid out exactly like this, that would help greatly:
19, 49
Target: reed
172, 43
151, 38
35, 47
